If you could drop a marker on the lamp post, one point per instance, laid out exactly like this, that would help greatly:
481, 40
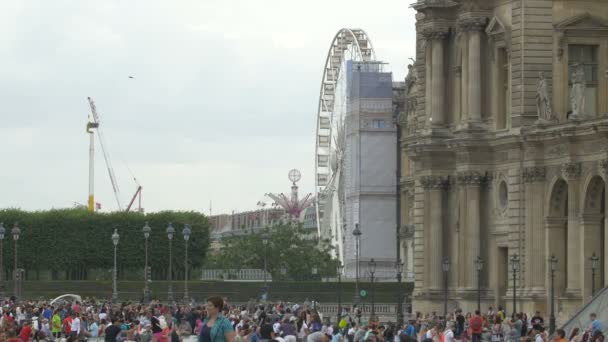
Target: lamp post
265, 239
186, 233
446, 269
16, 232
2, 232
146, 230
115, 238
339, 270
357, 235
595, 260
170, 231
372, 270
514, 268
479, 266
314, 272
399, 271
553, 268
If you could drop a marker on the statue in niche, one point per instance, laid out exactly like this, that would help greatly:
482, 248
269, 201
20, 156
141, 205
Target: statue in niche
577, 93
543, 103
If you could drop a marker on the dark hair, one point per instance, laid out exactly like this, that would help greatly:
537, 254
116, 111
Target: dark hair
266, 331
477, 312
561, 333
574, 333
217, 301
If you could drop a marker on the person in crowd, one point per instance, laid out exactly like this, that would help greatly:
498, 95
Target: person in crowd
216, 327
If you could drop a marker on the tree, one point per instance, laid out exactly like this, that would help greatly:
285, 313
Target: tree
288, 247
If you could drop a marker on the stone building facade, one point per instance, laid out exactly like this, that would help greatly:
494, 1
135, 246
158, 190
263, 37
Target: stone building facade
504, 141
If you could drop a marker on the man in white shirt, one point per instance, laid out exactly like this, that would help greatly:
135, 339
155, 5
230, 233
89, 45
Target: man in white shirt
448, 334
75, 327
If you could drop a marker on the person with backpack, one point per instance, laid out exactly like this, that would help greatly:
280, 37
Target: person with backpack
476, 326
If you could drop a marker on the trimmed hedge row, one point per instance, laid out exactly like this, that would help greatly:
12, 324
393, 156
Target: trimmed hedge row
235, 291
74, 241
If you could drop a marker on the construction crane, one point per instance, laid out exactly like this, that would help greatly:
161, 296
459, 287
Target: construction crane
95, 124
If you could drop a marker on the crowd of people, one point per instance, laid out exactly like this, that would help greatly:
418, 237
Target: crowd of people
218, 321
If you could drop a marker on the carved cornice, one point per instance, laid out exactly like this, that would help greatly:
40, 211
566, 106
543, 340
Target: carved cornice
470, 178
571, 170
534, 174
433, 182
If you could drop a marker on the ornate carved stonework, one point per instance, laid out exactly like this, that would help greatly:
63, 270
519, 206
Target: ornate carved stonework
470, 178
433, 182
557, 150
603, 167
471, 24
534, 174
571, 170
434, 34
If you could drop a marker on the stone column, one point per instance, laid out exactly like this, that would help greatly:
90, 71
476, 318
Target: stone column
535, 258
428, 95
435, 95
471, 181
590, 243
571, 172
555, 235
475, 73
434, 187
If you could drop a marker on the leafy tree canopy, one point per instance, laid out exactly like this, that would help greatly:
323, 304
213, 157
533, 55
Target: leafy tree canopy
288, 248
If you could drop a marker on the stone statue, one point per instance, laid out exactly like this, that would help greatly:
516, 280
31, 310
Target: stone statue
577, 93
411, 79
543, 103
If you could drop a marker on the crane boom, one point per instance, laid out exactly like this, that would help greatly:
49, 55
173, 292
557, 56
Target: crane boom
106, 155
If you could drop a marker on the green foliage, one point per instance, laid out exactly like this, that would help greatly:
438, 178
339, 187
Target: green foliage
288, 247
74, 240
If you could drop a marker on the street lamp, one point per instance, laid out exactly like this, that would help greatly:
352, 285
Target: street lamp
265, 239
16, 231
115, 238
479, 266
339, 270
186, 233
553, 268
146, 230
446, 268
399, 271
372, 270
595, 260
314, 272
514, 267
2, 232
357, 235
170, 231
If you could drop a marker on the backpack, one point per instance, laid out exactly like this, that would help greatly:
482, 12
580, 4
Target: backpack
476, 325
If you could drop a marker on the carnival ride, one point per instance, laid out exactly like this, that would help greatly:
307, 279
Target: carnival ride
348, 46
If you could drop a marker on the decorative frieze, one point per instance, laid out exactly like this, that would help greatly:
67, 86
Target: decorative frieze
534, 174
470, 178
571, 170
433, 182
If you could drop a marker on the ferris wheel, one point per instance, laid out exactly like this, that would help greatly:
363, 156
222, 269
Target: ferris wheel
348, 45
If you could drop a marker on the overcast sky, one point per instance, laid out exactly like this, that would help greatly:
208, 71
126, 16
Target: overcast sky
222, 105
